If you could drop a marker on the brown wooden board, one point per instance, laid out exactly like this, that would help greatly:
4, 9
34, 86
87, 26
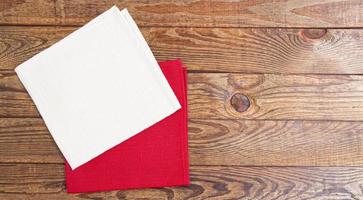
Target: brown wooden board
191, 13
46, 181
217, 142
247, 50
266, 97
275, 96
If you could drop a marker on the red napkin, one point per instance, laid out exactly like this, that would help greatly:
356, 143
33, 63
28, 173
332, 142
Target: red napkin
156, 157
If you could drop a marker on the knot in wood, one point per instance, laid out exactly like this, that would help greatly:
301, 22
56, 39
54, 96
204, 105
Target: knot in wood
240, 102
313, 33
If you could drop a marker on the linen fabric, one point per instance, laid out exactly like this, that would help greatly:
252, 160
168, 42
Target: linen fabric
98, 87
156, 157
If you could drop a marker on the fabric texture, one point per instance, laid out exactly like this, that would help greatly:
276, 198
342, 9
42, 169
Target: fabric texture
73, 84
156, 157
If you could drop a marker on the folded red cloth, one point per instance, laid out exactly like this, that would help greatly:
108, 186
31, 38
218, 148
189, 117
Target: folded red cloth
156, 157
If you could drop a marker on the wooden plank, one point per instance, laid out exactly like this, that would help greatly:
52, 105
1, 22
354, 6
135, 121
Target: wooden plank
191, 13
37, 181
27, 12
222, 96
18, 44
218, 142
27, 140
275, 143
275, 97
287, 51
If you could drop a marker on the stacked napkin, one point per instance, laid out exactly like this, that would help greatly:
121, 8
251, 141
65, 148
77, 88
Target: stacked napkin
156, 157
118, 118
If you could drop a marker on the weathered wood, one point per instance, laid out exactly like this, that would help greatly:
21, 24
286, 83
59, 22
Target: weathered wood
275, 143
223, 50
37, 181
278, 97
27, 12
226, 38
273, 97
18, 44
27, 140
191, 13
218, 142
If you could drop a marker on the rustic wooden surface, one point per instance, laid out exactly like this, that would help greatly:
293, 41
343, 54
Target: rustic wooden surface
275, 96
191, 13
247, 50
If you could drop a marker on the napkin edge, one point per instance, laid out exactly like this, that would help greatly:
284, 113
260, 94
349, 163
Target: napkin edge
151, 58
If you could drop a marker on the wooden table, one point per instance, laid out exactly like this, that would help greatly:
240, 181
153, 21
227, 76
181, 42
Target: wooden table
275, 96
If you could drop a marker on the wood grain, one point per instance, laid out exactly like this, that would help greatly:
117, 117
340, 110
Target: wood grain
287, 51
260, 73
27, 140
275, 143
191, 13
217, 142
276, 97
27, 12
37, 181
272, 97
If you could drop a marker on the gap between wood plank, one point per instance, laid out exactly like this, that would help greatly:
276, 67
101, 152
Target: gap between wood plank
212, 165
200, 27
191, 71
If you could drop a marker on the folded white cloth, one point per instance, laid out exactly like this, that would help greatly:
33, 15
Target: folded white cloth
98, 87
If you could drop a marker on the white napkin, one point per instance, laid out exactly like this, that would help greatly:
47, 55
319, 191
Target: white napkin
98, 87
